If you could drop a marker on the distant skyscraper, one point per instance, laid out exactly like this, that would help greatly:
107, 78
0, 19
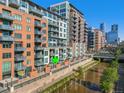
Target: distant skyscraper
102, 27
114, 28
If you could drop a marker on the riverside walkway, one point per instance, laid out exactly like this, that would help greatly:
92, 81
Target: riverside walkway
49, 79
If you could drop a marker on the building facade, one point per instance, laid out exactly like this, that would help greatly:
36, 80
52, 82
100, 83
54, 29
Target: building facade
77, 27
99, 39
23, 30
30, 36
91, 39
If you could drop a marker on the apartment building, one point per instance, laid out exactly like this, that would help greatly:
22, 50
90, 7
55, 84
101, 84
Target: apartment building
99, 39
76, 25
91, 39
23, 32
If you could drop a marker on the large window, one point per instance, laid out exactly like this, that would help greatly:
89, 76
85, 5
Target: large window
46, 53
6, 67
6, 45
18, 36
28, 20
28, 28
28, 53
6, 55
17, 27
18, 17
28, 45
28, 36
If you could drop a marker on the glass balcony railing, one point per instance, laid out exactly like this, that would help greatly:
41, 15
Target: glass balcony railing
19, 58
14, 3
37, 32
6, 38
6, 27
38, 40
53, 24
38, 63
38, 48
35, 11
3, 1
38, 24
19, 68
7, 17
19, 49
38, 55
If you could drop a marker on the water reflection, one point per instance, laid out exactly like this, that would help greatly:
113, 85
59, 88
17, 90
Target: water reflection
89, 82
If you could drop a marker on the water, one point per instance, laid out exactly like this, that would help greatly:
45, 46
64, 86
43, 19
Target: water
89, 83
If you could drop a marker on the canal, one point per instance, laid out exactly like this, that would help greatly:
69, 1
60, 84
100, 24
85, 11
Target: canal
89, 81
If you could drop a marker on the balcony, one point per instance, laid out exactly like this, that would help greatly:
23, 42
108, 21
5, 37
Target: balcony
7, 17
19, 58
35, 11
53, 35
20, 68
38, 48
6, 38
54, 30
2, 2
38, 24
38, 55
53, 24
6, 27
38, 63
38, 40
20, 49
14, 3
37, 32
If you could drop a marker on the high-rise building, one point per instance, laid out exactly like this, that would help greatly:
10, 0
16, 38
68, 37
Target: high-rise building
91, 39
99, 39
77, 26
102, 27
114, 28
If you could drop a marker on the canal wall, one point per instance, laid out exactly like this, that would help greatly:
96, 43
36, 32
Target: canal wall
52, 78
64, 74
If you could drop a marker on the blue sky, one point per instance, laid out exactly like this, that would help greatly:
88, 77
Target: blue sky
97, 11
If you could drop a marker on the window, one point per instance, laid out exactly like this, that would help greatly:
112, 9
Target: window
28, 20
18, 36
44, 45
6, 55
18, 17
18, 65
64, 25
6, 45
44, 31
28, 45
60, 29
60, 24
64, 35
28, 28
60, 34
28, 62
17, 27
62, 6
64, 30
46, 60
28, 36
46, 53
44, 25
23, 4
6, 67
56, 51
28, 53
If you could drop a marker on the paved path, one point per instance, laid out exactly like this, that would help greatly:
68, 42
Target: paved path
49, 79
